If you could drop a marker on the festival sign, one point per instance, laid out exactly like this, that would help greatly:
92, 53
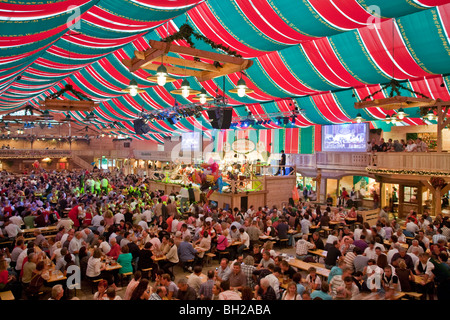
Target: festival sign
243, 146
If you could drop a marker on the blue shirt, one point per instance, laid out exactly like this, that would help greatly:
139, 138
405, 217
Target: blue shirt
320, 294
334, 272
300, 289
186, 251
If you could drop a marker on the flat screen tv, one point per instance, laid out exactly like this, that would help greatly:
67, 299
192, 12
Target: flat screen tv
349, 137
191, 141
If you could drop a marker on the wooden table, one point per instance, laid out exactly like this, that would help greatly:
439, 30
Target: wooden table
56, 275
318, 252
156, 259
43, 229
388, 243
300, 264
377, 296
6, 295
420, 279
110, 267
264, 237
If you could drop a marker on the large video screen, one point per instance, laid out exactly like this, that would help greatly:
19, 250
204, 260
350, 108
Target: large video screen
351, 137
191, 141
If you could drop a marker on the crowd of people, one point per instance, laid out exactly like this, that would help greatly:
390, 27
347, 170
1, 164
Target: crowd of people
417, 145
108, 218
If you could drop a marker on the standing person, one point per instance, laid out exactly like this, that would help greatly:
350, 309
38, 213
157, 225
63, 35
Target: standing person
282, 164
191, 194
184, 198
172, 258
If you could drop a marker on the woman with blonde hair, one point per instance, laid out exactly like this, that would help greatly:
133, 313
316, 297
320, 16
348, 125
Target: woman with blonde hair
291, 292
108, 217
405, 276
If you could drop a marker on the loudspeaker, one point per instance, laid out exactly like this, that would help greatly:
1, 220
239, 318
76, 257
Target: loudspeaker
140, 127
220, 118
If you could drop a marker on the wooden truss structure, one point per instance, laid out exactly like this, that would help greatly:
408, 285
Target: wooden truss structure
206, 65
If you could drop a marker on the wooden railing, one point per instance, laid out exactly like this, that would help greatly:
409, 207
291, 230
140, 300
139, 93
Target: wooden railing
410, 161
38, 153
332, 160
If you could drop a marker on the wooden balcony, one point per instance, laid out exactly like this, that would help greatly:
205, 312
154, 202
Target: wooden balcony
38, 153
411, 163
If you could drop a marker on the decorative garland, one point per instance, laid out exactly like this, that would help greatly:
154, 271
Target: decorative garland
186, 32
438, 182
394, 85
410, 172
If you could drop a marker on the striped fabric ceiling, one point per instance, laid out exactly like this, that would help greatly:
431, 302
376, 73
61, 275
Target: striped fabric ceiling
326, 55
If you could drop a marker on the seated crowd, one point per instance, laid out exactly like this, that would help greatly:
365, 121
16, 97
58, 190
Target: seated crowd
105, 220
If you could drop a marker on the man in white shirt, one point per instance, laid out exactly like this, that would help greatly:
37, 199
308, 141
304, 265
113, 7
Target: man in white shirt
147, 214
12, 229
273, 279
96, 220
75, 245
103, 245
17, 220
184, 197
369, 252
414, 254
118, 217
392, 251
245, 239
411, 227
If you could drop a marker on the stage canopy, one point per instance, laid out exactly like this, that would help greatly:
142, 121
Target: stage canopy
323, 55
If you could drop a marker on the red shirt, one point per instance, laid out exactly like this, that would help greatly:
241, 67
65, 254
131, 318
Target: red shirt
115, 251
73, 215
169, 222
4, 276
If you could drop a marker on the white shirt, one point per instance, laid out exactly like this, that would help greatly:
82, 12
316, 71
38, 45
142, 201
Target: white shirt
174, 225
331, 239
390, 254
370, 253
412, 227
19, 262
143, 224
96, 220
429, 267
75, 245
12, 230
414, 258
118, 217
410, 147
184, 193
147, 215
16, 220
274, 283
245, 239
105, 247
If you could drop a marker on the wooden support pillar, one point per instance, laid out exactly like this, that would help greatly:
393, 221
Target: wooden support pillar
419, 200
442, 122
401, 199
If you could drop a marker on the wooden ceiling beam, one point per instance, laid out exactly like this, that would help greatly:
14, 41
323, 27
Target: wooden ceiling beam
397, 102
175, 70
195, 52
68, 105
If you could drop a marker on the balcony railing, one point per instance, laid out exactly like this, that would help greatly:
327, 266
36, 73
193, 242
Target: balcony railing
38, 153
404, 162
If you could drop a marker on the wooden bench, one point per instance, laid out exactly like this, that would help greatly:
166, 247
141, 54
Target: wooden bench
208, 257
282, 243
414, 295
147, 272
127, 276
93, 284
